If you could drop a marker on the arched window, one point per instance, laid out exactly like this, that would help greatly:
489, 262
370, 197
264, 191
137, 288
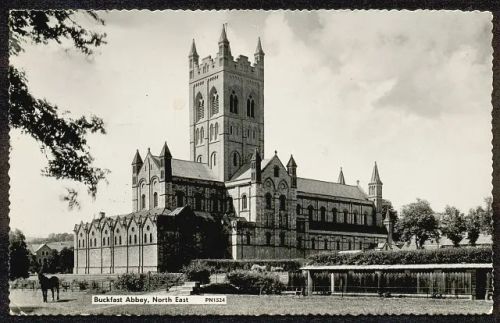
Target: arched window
120, 240
197, 135
248, 237
244, 202
135, 238
355, 217
323, 214
150, 237
214, 102
155, 199
299, 242
282, 238
230, 130
325, 244
298, 210
95, 242
276, 171
145, 238
213, 159
250, 107
143, 201
233, 103
345, 216
199, 159
310, 211
236, 159
268, 238
313, 243
334, 214
269, 201
216, 131
211, 132
179, 197
200, 107
282, 203
79, 243
338, 245
202, 135
103, 241
197, 202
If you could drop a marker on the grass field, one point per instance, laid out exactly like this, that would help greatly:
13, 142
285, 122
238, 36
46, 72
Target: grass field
76, 303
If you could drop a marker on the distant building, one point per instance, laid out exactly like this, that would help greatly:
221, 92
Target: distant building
266, 210
42, 251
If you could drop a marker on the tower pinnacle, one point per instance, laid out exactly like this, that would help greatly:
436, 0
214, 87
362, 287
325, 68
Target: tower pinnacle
193, 52
223, 35
259, 50
375, 175
341, 179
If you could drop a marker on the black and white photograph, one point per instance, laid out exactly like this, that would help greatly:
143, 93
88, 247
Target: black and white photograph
250, 162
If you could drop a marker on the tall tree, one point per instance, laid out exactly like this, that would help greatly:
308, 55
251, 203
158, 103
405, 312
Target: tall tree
473, 223
66, 260
453, 225
19, 256
53, 262
417, 221
487, 218
63, 140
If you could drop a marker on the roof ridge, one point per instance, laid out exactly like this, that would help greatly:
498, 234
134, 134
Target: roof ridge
323, 181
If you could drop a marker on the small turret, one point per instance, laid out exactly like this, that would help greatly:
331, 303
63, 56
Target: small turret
166, 163
193, 60
341, 179
389, 226
255, 167
136, 163
259, 53
224, 48
291, 168
375, 189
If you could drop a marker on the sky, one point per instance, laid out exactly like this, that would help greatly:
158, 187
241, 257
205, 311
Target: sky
409, 90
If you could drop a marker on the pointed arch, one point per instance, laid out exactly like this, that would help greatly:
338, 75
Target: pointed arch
216, 130
199, 107
211, 132
214, 101
236, 159
213, 159
233, 102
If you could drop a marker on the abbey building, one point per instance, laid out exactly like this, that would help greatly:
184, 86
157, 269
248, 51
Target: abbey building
228, 200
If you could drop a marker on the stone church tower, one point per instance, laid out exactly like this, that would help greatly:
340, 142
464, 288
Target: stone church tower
226, 108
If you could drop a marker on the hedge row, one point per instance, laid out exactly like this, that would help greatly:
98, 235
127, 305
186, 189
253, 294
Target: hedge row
407, 257
229, 265
134, 282
252, 282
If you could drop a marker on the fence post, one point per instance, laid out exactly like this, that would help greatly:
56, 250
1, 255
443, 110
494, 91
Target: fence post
309, 283
332, 284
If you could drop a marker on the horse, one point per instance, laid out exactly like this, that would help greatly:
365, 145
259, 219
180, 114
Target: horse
48, 283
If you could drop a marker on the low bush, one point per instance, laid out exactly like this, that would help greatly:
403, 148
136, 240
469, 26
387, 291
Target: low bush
228, 265
135, 282
219, 288
406, 257
252, 282
197, 271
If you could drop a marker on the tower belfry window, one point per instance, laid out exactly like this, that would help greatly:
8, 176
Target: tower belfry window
200, 108
250, 107
214, 102
233, 103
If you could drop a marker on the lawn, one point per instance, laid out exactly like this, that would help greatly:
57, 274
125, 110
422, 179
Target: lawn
75, 303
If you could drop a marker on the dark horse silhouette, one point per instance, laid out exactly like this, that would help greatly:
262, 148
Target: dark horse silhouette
48, 283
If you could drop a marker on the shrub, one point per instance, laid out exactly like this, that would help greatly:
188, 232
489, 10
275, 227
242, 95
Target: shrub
219, 288
134, 282
83, 285
406, 257
155, 281
251, 282
197, 271
228, 265
131, 282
